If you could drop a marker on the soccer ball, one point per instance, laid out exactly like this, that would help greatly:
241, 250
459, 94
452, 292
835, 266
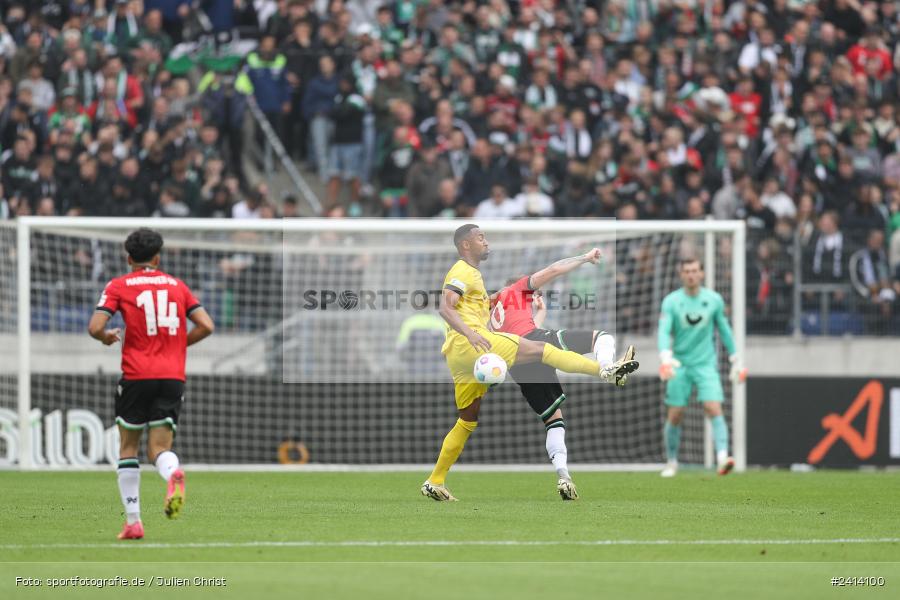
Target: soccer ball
490, 369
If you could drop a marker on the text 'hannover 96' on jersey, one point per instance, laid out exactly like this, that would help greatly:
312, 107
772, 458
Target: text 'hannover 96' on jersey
155, 307
512, 311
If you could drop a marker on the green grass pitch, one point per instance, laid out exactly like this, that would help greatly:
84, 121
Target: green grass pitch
371, 535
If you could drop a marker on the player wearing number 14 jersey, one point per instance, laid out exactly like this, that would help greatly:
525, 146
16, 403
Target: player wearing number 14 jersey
155, 308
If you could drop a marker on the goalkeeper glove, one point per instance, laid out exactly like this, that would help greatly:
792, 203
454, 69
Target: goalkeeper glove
668, 366
738, 373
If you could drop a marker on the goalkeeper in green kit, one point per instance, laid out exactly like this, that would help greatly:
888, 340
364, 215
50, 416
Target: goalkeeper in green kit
689, 316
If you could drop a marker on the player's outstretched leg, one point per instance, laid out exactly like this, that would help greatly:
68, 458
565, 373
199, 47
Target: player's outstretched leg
570, 362
558, 453
129, 476
612, 370
564, 360
618, 371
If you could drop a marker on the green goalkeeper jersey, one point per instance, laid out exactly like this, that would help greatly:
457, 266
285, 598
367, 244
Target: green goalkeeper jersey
690, 320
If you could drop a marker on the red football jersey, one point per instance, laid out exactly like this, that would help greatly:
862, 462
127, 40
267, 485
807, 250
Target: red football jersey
512, 311
155, 307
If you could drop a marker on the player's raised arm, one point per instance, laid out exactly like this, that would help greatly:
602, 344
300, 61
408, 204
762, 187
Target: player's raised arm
449, 300
203, 326
561, 267
540, 310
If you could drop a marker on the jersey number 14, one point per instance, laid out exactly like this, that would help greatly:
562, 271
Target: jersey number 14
163, 314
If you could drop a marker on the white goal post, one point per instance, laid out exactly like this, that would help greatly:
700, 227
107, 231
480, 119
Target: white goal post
61, 264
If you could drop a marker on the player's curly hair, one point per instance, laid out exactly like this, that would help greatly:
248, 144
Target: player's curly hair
143, 244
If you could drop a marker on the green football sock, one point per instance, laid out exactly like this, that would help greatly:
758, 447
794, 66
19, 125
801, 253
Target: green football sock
672, 434
720, 433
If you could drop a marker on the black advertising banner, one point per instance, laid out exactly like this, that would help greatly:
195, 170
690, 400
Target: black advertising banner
822, 421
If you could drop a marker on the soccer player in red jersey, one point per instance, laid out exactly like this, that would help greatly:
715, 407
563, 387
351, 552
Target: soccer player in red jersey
155, 307
519, 309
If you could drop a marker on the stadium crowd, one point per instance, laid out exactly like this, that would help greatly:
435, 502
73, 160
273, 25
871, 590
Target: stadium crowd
783, 113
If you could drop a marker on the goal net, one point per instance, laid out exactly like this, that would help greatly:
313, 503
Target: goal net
327, 346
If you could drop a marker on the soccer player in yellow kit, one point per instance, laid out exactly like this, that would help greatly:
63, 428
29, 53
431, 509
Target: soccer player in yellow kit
465, 305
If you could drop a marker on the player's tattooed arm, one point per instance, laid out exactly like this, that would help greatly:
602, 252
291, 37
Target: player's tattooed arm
561, 267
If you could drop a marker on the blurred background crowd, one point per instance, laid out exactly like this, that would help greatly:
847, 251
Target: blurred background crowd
783, 113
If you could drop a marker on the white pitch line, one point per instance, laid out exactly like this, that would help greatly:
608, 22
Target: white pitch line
443, 543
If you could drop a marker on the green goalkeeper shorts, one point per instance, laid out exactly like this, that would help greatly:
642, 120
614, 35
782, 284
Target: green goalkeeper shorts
704, 377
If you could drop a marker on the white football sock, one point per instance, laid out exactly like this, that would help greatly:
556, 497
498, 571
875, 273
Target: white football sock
166, 463
129, 475
605, 350
556, 448
721, 456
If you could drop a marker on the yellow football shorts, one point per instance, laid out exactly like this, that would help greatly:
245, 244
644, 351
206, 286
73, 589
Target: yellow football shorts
461, 358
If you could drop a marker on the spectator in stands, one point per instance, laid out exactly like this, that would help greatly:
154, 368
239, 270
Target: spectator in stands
346, 152
757, 215
865, 158
392, 89
392, 175
318, 102
871, 275
19, 168
91, 193
266, 70
219, 205
482, 172
77, 74
249, 207
224, 96
44, 185
827, 252
127, 88
302, 65
768, 288
173, 12
429, 167
184, 181
289, 209
71, 116
776, 200
871, 52
42, 93
448, 196
534, 202
46, 207
499, 205
867, 211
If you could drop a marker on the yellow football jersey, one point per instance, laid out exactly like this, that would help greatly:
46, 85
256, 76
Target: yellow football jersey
474, 305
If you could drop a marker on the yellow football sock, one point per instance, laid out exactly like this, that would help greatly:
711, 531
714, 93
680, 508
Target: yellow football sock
570, 362
451, 449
